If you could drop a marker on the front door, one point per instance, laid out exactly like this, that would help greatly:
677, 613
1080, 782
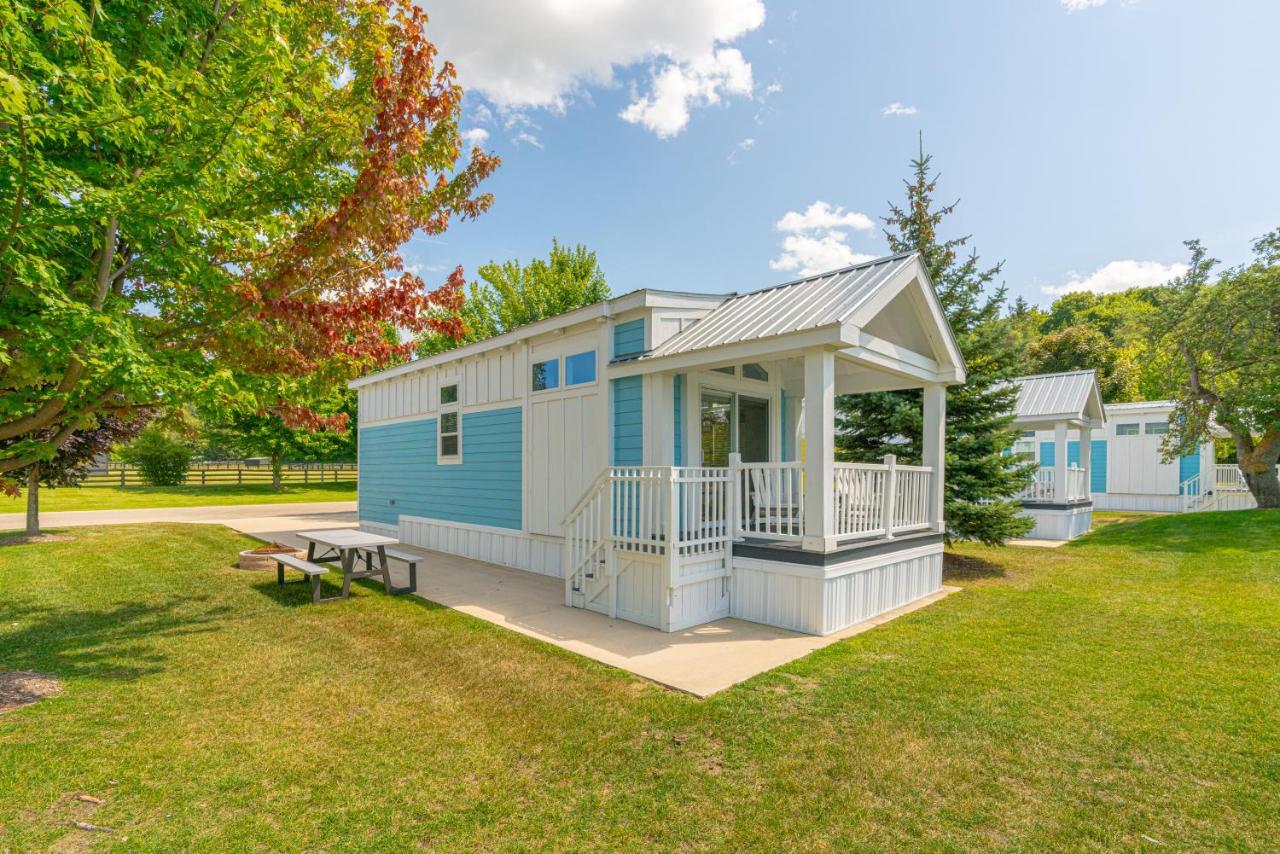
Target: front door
733, 422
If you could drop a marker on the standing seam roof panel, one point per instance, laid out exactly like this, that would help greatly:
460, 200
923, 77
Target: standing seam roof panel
807, 304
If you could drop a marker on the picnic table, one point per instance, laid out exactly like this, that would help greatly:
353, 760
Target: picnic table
345, 545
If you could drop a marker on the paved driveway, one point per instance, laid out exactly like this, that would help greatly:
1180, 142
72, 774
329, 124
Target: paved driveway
264, 521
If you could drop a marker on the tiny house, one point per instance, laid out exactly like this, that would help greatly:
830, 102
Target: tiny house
1129, 471
1058, 499
670, 455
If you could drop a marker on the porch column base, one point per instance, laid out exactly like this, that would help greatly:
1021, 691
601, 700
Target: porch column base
819, 544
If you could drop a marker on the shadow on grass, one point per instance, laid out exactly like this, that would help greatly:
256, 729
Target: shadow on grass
1190, 533
119, 642
296, 592
958, 567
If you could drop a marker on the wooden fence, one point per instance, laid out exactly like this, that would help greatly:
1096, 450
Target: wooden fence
209, 474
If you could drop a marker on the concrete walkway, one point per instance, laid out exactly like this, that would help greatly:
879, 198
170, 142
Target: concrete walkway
260, 520
699, 661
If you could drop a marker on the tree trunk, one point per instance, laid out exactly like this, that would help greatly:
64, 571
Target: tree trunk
33, 501
1259, 469
275, 471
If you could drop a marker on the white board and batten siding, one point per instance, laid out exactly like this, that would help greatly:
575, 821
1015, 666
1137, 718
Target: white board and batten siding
492, 378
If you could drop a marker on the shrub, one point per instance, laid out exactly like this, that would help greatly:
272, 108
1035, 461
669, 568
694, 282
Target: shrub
161, 459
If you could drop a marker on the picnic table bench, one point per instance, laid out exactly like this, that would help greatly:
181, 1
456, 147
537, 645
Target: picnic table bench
346, 545
312, 571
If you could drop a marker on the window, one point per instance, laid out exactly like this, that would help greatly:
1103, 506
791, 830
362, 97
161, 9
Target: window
1024, 449
448, 394
546, 375
450, 450
1126, 429
580, 368
1028, 434
753, 371
1157, 428
729, 370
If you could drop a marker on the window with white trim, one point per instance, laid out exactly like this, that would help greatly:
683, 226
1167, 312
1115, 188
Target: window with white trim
450, 437
1157, 428
546, 375
1127, 429
580, 368
448, 394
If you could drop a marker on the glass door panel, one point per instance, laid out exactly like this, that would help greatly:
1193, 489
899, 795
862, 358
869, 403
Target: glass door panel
753, 429
717, 424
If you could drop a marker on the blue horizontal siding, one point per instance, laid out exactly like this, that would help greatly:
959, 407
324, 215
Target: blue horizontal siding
628, 421
628, 338
398, 463
1097, 462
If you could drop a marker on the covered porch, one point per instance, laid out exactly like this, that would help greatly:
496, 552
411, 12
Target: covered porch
741, 486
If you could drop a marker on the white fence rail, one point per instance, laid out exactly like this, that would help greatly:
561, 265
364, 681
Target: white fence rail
770, 499
1041, 486
1077, 484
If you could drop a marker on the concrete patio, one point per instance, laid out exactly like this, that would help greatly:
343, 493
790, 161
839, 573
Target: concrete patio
698, 661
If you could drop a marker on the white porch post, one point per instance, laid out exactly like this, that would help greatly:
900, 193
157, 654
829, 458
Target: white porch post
819, 454
1086, 459
1060, 463
934, 446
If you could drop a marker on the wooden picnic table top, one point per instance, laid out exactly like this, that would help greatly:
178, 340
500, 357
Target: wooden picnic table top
347, 538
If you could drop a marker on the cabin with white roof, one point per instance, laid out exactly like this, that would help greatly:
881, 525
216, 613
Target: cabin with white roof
1058, 499
671, 455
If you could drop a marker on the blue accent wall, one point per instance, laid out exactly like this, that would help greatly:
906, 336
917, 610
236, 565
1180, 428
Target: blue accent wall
398, 462
1048, 456
678, 417
1097, 462
1188, 466
628, 338
627, 398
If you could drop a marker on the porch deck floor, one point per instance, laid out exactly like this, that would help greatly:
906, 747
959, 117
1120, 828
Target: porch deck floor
699, 661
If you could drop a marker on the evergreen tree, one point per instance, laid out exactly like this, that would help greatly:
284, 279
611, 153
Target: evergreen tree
982, 476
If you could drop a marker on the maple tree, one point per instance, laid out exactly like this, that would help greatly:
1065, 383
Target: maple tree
205, 202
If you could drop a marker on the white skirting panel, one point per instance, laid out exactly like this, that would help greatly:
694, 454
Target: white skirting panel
1137, 502
819, 601
492, 545
1059, 524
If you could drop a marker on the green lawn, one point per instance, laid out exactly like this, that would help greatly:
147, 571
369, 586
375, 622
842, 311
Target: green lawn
122, 498
1119, 689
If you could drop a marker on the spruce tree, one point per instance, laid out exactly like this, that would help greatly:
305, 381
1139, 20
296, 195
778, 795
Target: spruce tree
982, 477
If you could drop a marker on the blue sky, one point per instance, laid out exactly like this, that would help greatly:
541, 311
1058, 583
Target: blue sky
1085, 139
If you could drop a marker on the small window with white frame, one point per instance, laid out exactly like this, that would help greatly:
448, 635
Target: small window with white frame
1127, 429
1157, 428
580, 368
450, 448
546, 375
448, 394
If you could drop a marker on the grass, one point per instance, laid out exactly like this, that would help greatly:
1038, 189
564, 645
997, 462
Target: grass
128, 497
1117, 690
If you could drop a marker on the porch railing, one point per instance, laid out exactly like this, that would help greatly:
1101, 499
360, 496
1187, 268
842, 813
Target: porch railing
870, 499
1041, 489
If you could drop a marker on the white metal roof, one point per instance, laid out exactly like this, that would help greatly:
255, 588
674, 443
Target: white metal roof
1073, 395
809, 303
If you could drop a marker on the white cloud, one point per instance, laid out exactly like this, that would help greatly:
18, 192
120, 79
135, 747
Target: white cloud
1081, 5
528, 138
822, 216
676, 88
772, 89
544, 54
741, 148
816, 240
897, 108
475, 136
1119, 276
